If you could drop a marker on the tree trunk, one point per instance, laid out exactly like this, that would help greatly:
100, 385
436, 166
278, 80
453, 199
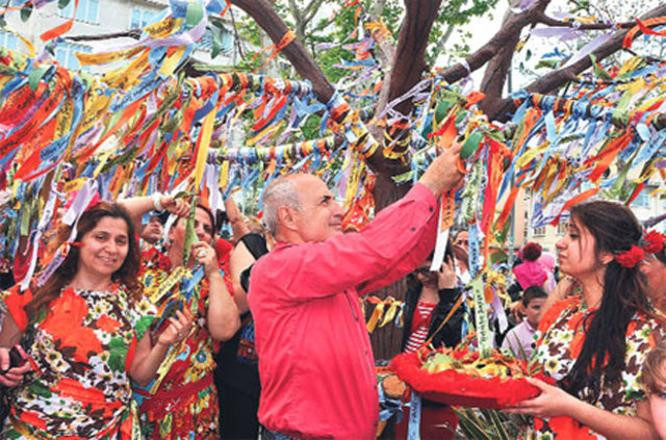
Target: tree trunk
386, 340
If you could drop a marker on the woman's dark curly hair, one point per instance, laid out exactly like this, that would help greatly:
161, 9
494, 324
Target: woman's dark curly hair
532, 251
127, 275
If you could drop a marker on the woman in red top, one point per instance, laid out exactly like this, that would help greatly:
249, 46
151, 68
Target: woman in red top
182, 402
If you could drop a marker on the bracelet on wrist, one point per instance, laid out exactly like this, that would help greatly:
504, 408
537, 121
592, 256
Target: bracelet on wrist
157, 205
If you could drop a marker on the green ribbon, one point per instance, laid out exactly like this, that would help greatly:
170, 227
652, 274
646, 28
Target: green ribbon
190, 234
471, 193
193, 15
483, 335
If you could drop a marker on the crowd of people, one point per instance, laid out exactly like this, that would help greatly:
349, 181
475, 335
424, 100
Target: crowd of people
139, 334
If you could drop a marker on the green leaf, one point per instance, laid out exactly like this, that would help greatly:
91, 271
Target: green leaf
598, 71
117, 354
26, 11
472, 424
62, 4
39, 389
142, 325
13, 435
548, 62
499, 424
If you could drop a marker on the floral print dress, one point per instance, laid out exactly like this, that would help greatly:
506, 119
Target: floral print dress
183, 404
560, 340
81, 351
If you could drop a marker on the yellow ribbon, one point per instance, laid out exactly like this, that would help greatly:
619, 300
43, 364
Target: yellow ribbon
202, 155
394, 305
376, 314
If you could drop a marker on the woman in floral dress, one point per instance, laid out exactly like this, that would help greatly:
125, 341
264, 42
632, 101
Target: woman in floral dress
593, 345
182, 402
83, 334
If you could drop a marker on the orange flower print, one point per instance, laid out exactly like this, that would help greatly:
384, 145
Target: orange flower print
566, 428
65, 324
32, 418
86, 396
108, 324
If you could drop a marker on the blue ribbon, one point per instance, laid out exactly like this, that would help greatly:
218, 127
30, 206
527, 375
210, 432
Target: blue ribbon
414, 426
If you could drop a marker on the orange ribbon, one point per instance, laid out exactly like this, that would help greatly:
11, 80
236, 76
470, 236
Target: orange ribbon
644, 27
62, 28
574, 201
286, 40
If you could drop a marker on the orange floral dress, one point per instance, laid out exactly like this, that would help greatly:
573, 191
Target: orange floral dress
81, 350
183, 405
560, 340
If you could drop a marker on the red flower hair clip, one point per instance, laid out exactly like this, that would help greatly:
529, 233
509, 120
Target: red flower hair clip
631, 257
651, 243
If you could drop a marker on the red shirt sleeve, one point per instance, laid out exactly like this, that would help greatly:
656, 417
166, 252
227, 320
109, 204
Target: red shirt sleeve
397, 240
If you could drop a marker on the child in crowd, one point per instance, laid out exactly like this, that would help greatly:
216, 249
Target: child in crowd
654, 377
520, 339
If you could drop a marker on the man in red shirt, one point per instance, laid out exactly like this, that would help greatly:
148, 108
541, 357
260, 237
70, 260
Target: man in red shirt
315, 361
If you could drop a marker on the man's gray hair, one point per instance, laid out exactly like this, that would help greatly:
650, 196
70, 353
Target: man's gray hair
280, 192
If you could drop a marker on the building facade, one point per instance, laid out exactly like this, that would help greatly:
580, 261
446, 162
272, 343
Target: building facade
650, 204
94, 18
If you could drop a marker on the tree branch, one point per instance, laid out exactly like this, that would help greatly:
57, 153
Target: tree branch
132, 33
268, 19
311, 10
409, 61
593, 111
263, 13
296, 13
498, 68
479, 58
544, 19
556, 79
239, 46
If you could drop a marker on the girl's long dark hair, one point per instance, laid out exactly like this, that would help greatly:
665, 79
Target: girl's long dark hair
615, 229
127, 275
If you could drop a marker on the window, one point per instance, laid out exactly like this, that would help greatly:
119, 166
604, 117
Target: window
9, 41
562, 228
540, 231
141, 18
87, 11
65, 54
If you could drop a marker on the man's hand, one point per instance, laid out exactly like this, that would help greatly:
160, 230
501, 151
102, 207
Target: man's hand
443, 175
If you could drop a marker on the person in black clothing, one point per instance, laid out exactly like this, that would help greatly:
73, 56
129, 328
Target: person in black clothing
6, 280
447, 293
237, 375
430, 298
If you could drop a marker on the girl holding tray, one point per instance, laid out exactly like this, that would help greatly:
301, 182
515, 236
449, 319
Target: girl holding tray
593, 345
